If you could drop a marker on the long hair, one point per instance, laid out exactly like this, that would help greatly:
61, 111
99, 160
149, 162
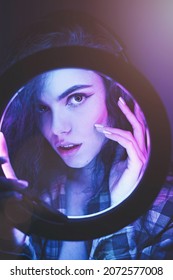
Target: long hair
30, 153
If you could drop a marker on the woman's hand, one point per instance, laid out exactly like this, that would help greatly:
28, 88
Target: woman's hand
125, 175
8, 189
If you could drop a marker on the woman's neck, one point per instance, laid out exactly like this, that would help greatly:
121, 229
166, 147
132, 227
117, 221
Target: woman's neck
79, 189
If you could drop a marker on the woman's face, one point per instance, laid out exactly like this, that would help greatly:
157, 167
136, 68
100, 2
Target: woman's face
71, 103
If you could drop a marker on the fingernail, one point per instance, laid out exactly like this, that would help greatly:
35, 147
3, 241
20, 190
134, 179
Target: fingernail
98, 125
23, 182
107, 132
122, 101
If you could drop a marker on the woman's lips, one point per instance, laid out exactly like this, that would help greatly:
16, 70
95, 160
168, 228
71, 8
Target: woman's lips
68, 149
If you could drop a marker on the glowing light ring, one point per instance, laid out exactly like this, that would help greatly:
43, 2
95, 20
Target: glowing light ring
49, 225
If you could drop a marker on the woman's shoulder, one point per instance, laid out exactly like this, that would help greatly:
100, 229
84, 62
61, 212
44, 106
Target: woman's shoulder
165, 196
154, 230
160, 214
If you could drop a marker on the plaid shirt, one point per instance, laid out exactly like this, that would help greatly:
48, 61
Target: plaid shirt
149, 237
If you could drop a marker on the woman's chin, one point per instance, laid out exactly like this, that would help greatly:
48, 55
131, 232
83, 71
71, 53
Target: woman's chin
80, 164
76, 164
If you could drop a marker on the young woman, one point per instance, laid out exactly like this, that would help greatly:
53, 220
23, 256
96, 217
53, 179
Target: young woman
78, 140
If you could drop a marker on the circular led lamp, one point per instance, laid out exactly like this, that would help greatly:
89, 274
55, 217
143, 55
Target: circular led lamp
43, 221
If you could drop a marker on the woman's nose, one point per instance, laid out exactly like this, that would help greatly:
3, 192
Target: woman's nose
60, 124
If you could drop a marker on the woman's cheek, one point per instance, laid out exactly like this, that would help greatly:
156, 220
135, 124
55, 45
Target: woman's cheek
102, 119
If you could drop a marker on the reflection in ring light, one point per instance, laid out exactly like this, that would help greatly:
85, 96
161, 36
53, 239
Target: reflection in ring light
132, 121
50, 225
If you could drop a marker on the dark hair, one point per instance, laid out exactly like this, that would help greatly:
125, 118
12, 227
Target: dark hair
29, 151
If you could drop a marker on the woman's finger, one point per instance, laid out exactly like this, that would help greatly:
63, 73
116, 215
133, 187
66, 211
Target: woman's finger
124, 138
12, 183
136, 121
134, 153
6, 166
141, 118
12, 188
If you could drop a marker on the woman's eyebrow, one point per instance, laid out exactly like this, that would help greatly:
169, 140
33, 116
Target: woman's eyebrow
72, 89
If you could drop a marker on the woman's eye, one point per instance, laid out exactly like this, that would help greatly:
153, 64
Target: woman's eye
42, 108
76, 99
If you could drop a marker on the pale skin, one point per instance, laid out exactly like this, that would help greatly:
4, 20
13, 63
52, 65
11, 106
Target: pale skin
134, 143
